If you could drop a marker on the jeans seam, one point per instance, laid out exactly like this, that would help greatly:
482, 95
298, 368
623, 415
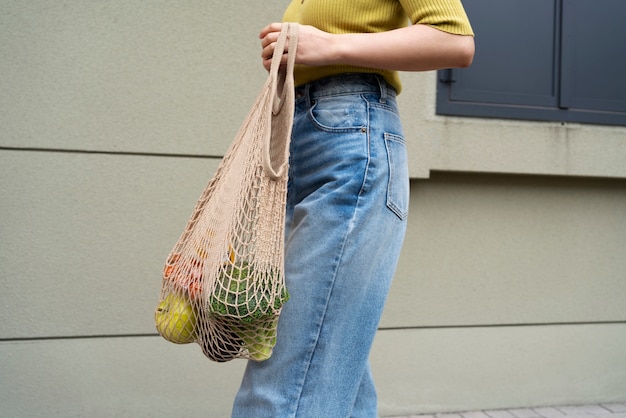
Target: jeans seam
369, 154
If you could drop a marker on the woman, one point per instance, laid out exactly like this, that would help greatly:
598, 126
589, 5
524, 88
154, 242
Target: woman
347, 196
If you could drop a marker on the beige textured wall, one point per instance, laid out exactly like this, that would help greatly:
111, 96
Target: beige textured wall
113, 116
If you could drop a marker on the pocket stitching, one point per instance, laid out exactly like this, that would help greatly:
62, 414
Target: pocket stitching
327, 128
401, 212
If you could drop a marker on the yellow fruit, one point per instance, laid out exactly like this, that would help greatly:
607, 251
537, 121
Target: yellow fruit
176, 319
202, 252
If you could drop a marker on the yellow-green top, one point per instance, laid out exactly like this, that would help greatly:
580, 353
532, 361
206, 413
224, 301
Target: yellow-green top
366, 16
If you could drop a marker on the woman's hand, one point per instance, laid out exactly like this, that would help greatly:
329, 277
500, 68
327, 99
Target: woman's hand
413, 48
314, 45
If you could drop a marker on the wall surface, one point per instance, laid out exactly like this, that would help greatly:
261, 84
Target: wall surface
114, 115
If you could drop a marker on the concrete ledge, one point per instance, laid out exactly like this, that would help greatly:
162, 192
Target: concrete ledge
610, 410
440, 143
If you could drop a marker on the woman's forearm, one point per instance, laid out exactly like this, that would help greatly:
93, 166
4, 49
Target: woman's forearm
413, 48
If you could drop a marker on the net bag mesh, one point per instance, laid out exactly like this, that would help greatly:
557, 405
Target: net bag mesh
223, 282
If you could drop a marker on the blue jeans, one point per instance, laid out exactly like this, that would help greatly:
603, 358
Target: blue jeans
347, 205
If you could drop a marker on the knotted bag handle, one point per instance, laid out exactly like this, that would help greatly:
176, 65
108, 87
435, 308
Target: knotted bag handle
276, 149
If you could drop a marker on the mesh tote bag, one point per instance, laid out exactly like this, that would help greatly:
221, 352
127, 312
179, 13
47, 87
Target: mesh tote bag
223, 282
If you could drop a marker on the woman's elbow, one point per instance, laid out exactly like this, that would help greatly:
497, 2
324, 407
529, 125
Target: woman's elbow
465, 51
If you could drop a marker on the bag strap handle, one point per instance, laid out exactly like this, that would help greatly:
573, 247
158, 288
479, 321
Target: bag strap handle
276, 147
283, 75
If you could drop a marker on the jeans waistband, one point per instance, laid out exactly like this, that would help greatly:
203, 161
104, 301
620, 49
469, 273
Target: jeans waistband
347, 84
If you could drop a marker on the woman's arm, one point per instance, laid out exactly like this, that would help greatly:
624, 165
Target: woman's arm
413, 48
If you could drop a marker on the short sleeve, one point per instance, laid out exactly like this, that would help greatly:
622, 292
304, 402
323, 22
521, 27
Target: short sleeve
446, 15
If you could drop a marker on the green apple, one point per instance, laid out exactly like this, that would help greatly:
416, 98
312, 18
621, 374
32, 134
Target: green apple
176, 319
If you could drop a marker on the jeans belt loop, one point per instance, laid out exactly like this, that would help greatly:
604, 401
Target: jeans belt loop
307, 93
383, 88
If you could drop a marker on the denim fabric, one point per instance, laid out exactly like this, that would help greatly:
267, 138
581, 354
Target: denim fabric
346, 217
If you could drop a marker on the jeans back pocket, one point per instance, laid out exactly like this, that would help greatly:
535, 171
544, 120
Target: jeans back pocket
398, 186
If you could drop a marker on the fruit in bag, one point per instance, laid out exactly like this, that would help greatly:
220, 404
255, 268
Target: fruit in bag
176, 319
251, 315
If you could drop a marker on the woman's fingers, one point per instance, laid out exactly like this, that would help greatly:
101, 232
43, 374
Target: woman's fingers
267, 60
269, 36
271, 28
268, 50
